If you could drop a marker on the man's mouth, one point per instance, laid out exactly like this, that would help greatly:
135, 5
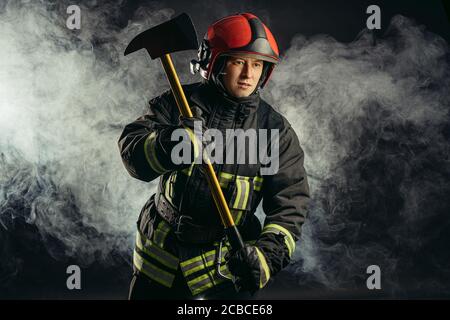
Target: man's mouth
244, 85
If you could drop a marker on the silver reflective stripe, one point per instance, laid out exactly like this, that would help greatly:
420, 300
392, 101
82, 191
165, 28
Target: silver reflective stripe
203, 281
157, 253
200, 262
193, 267
243, 190
201, 284
152, 271
196, 262
159, 237
198, 265
206, 281
245, 193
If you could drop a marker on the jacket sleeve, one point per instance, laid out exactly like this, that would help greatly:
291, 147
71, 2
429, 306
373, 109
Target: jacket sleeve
285, 203
138, 142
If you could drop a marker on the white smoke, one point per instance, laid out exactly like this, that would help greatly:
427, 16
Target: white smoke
65, 97
372, 102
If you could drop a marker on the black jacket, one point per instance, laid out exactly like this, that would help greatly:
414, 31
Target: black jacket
285, 194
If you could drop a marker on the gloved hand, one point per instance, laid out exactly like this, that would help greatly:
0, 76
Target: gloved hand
166, 145
250, 268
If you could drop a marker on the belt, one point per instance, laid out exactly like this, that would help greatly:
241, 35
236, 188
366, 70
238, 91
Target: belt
185, 229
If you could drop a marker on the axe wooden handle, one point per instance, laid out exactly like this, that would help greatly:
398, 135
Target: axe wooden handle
227, 219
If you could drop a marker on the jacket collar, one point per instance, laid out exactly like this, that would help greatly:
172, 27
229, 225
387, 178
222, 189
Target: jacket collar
208, 96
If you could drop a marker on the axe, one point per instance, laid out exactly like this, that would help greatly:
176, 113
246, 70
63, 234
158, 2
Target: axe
175, 35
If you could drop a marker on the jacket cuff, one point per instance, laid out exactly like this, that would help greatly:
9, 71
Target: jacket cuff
288, 238
151, 154
275, 250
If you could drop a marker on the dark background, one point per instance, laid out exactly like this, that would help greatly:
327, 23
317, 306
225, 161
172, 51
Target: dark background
342, 20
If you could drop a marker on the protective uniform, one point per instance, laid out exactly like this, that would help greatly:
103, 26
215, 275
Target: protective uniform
180, 245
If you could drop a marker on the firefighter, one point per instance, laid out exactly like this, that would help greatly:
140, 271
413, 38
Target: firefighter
181, 251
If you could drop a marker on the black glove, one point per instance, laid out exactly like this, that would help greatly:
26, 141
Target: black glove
165, 145
250, 268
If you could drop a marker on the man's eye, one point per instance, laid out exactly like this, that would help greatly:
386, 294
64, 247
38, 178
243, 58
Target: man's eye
238, 62
257, 65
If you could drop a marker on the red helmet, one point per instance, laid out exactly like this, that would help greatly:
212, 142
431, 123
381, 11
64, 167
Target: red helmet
240, 33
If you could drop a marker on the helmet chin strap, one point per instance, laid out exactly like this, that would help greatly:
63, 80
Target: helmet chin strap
263, 75
217, 74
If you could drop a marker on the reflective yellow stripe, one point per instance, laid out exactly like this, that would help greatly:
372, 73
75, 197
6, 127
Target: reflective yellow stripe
199, 265
237, 215
246, 194
225, 178
206, 281
160, 234
242, 194
238, 195
257, 183
156, 252
192, 260
194, 141
168, 186
288, 239
152, 271
264, 269
166, 190
150, 154
194, 268
185, 264
203, 282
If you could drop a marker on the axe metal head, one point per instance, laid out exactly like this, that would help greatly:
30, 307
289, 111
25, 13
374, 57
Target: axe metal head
177, 34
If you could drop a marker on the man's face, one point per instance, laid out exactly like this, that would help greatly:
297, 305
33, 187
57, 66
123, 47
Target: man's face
242, 74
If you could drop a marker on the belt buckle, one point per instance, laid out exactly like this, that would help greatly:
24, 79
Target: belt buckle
178, 222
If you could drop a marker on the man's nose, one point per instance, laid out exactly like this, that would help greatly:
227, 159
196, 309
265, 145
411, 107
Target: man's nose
247, 71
